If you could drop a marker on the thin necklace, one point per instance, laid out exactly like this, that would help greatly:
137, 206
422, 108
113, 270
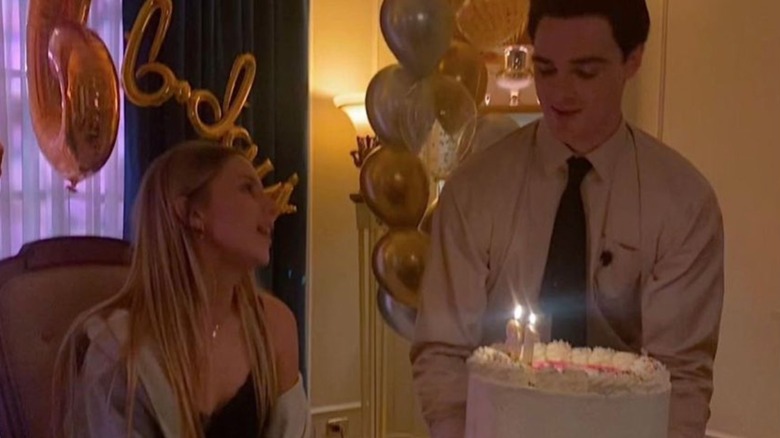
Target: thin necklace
217, 326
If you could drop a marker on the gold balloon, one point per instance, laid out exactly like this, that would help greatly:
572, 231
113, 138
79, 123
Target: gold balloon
456, 4
488, 24
465, 64
73, 88
394, 184
399, 262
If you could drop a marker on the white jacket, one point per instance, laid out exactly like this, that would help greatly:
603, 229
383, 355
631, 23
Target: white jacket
100, 406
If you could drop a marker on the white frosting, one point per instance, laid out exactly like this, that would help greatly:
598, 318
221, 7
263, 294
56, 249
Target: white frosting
623, 361
540, 353
559, 352
559, 368
601, 357
579, 356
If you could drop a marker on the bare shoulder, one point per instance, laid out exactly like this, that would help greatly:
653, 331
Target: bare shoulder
284, 337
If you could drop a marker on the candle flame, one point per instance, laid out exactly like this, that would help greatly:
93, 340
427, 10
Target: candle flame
518, 312
532, 319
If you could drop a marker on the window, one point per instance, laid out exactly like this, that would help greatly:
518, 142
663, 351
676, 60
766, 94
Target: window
34, 200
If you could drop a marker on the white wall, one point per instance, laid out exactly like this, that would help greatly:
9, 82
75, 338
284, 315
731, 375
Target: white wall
716, 98
342, 60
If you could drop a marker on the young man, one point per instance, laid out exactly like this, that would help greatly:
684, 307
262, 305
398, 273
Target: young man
612, 236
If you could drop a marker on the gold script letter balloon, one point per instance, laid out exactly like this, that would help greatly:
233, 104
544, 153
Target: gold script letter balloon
399, 262
73, 88
394, 184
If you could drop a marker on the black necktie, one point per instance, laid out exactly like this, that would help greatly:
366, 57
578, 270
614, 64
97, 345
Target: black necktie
564, 283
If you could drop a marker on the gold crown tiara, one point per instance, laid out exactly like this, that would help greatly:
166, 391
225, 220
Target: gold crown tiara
224, 129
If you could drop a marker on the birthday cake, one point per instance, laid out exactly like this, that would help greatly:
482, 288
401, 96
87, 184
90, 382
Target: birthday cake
522, 389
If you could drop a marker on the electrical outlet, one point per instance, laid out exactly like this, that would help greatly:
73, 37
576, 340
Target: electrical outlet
337, 427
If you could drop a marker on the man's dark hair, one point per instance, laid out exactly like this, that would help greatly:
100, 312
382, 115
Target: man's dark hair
630, 19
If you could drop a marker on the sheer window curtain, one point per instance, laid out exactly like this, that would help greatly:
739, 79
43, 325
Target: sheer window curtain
34, 200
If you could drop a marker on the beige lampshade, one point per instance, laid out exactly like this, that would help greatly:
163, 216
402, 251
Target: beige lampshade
354, 106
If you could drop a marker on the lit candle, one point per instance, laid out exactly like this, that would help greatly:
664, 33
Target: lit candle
531, 337
514, 329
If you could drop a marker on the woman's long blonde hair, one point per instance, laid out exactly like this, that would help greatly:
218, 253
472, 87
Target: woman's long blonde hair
166, 296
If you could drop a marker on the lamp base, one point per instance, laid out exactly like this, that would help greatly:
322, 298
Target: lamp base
366, 145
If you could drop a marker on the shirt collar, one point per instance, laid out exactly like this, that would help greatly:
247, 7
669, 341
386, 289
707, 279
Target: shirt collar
554, 153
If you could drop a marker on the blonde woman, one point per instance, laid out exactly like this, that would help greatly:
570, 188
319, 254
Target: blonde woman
189, 347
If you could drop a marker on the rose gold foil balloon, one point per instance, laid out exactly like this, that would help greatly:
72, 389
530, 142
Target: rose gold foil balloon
488, 24
399, 262
73, 88
394, 184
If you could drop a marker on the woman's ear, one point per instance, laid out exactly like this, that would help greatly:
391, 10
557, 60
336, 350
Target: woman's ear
190, 218
180, 207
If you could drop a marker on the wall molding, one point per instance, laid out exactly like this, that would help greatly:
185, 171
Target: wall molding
716, 434
662, 80
352, 406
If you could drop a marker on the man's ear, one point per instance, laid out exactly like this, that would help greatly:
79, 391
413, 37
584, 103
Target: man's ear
634, 61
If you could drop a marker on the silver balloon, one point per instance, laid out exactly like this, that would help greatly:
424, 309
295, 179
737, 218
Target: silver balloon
399, 317
385, 103
418, 32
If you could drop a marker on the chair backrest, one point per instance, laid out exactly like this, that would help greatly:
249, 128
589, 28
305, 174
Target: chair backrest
42, 290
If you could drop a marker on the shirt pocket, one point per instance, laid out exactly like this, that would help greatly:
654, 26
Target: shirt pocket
617, 289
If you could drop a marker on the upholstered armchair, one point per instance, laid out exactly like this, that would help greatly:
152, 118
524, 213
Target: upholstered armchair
42, 290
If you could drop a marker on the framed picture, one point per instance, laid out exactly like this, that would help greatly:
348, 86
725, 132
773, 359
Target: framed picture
510, 86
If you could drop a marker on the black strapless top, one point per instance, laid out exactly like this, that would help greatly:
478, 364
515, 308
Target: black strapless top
238, 417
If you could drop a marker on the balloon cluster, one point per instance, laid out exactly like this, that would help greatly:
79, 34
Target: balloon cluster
224, 128
73, 88
424, 110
